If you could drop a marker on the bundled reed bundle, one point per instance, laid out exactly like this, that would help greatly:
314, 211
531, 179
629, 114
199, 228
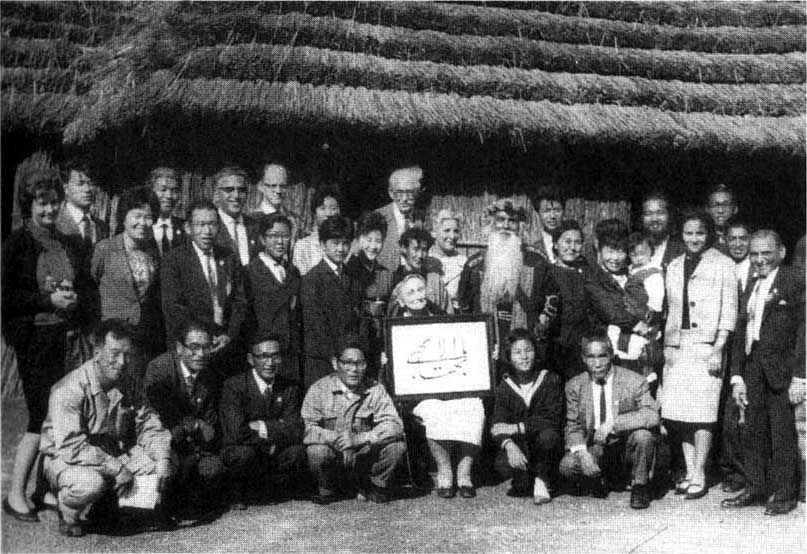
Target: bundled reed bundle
458, 19
398, 42
318, 66
37, 53
13, 26
395, 111
42, 112
25, 79
682, 14
80, 13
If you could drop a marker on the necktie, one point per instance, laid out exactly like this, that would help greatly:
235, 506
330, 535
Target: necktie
243, 256
750, 328
189, 382
281, 273
603, 404
166, 243
86, 231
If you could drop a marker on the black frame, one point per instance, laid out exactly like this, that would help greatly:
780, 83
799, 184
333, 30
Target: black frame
439, 320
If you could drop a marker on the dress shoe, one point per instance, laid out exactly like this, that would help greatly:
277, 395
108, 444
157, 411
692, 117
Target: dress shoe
779, 507
238, 505
695, 491
682, 486
377, 495
732, 486
324, 499
640, 497
595, 486
467, 492
445, 492
28, 517
743, 500
70, 529
518, 492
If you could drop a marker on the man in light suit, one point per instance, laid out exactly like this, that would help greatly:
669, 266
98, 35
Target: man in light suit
762, 362
168, 229
610, 418
404, 190
273, 293
657, 225
238, 232
202, 281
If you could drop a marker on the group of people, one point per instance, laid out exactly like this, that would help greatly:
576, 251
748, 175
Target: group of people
237, 352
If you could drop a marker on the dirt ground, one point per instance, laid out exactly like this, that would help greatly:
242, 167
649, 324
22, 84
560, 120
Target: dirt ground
491, 522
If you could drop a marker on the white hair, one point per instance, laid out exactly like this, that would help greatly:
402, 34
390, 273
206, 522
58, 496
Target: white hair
446, 214
405, 174
503, 261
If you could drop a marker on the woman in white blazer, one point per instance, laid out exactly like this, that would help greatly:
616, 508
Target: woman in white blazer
701, 289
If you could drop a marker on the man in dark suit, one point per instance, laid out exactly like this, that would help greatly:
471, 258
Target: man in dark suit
180, 387
771, 313
203, 281
260, 420
273, 293
237, 231
657, 225
548, 202
611, 418
330, 301
168, 229
75, 219
400, 214
274, 188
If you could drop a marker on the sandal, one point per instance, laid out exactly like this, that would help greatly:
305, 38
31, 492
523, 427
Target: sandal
682, 486
695, 491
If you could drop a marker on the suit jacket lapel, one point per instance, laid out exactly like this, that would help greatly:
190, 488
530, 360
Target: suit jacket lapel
587, 405
776, 285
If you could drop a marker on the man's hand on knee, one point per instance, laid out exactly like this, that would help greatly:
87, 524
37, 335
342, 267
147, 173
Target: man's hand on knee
588, 464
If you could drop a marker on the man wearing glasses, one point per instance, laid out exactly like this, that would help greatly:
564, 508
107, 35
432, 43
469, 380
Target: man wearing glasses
352, 429
274, 188
273, 292
261, 426
237, 232
722, 206
180, 386
404, 190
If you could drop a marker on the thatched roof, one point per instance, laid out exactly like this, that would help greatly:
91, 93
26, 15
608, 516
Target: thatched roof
726, 77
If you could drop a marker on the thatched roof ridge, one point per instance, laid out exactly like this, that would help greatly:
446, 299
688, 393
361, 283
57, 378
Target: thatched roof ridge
458, 19
46, 53
320, 67
524, 123
42, 113
13, 26
398, 42
683, 14
91, 13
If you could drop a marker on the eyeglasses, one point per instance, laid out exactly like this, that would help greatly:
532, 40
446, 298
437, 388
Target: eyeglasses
716, 205
358, 364
231, 190
278, 236
281, 186
406, 193
266, 356
199, 348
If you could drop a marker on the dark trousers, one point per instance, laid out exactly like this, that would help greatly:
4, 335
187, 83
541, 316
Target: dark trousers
197, 483
770, 448
375, 463
248, 464
730, 443
543, 454
631, 452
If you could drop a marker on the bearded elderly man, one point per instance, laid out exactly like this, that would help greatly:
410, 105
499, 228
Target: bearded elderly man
513, 284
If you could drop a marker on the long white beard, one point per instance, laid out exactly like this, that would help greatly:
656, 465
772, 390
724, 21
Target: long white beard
503, 261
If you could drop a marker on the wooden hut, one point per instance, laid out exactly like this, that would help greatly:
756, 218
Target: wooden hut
602, 99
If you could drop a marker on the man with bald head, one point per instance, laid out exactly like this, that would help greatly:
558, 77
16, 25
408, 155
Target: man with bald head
274, 186
404, 190
762, 372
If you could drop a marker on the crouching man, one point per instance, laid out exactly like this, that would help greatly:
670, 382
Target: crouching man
261, 426
180, 386
611, 424
94, 439
351, 425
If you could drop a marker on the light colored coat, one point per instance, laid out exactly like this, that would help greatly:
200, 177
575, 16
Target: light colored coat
712, 298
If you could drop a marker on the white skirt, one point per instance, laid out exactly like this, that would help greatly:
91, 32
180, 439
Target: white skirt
689, 393
460, 419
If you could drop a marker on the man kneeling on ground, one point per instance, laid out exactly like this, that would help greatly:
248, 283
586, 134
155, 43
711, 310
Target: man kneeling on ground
351, 424
261, 426
94, 439
611, 423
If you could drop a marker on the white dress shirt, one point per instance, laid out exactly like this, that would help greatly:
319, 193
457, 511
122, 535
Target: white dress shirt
336, 269
211, 275
549, 243
276, 268
158, 229
755, 307
243, 242
658, 253
742, 270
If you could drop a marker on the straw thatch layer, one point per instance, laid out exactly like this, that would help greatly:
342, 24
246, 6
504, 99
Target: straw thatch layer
108, 13
523, 123
396, 42
460, 19
15, 27
706, 13
24, 79
323, 67
38, 113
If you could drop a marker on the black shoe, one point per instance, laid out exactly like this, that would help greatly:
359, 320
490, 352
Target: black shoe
446, 492
732, 486
745, 499
324, 499
467, 492
70, 529
640, 497
378, 495
695, 491
518, 492
595, 486
780, 507
28, 517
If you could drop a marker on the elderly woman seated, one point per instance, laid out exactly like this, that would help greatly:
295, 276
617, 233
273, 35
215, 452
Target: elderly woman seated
452, 426
527, 419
